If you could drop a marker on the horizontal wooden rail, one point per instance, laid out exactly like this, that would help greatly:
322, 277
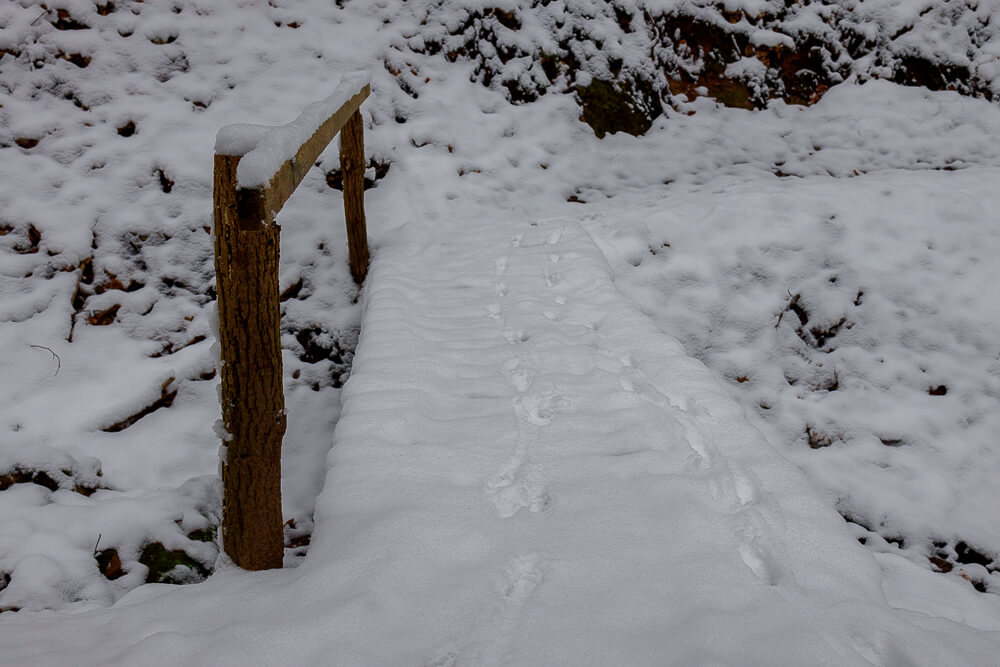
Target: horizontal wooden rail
256, 170
255, 203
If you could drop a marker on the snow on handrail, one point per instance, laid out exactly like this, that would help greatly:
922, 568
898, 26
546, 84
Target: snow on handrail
265, 149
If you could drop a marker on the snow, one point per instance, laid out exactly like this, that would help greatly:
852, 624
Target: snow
241, 138
265, 150
509, 447
529, 428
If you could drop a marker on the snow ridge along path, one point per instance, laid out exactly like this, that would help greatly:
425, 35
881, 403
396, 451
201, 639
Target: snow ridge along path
528, 472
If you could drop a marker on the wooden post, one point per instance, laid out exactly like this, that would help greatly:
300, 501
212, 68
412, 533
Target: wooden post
246, 271
352, 164
253, 402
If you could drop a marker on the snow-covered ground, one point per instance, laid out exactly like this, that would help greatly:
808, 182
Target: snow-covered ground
832, 266
527, 471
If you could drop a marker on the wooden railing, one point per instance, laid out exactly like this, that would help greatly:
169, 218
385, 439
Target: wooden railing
256, 170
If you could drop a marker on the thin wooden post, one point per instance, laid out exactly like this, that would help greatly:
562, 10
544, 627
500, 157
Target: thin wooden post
253, 402
352, 165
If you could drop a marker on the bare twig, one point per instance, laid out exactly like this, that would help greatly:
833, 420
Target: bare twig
35, 22
54, 355
99, 535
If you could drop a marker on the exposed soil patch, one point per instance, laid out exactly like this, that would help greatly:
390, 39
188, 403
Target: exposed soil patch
954, 556
610, 106
335, 177
171, 567
110, 564
817, 439
166, 399
51, 479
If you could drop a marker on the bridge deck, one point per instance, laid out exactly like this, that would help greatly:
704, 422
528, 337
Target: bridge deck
539, 474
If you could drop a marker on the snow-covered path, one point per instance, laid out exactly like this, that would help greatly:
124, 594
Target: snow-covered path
556, 482
526, 471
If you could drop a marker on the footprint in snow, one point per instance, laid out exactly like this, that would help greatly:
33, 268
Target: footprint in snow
449, 659
519, 373
523, 574
538, 409
516, 585
551, 279
754, 553
517, 487
733, 487
515, 336
746, 490
758, 564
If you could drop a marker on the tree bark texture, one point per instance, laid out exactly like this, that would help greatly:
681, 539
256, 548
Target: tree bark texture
352, 163
253, 403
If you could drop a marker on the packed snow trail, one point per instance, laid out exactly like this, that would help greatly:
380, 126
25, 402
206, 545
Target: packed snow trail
582, 488
527, 472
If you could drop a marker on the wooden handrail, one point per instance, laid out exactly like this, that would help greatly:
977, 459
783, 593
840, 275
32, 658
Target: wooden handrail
255, 203
251, 185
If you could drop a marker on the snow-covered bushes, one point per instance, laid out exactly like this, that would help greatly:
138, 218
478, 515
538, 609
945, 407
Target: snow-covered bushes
625, 59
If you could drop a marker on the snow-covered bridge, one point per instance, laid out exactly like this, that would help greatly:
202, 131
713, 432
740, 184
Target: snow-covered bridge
527, 471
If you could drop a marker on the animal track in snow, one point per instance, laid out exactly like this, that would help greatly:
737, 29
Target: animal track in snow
733, 488
551, 279
758, 564
517, 486
448, 659
515, 586
519, 372
524, 573
538, 409
754, 552
632, 379
515, 336
746, 490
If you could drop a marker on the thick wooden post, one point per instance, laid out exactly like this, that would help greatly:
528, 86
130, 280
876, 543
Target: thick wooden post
246, 270
253, 403
352, 164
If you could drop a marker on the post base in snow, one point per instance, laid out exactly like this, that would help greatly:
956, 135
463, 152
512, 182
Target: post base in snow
251, 522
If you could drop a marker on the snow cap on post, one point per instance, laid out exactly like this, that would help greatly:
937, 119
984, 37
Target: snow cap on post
280, 144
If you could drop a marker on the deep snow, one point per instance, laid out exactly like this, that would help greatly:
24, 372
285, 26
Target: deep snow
712, 223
